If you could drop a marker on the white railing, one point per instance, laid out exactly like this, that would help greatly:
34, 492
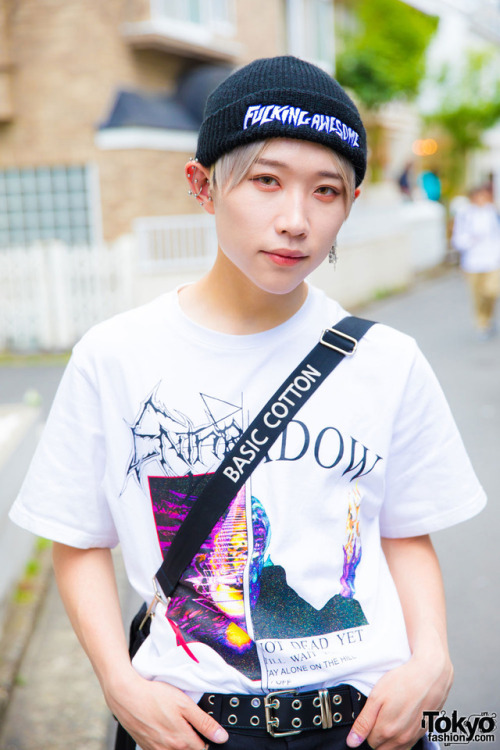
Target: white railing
175, 243
217, 15
50, 294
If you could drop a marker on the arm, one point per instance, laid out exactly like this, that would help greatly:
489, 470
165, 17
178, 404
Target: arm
391, 718
158, 716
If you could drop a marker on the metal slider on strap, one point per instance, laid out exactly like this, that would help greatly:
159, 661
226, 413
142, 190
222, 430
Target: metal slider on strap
346, 352
152, 607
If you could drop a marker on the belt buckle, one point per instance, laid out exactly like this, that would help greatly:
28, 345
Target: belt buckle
271, 703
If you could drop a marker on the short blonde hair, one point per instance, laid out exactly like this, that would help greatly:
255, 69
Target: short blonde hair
233, 167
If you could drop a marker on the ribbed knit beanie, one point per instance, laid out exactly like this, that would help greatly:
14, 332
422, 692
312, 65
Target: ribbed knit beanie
281, 97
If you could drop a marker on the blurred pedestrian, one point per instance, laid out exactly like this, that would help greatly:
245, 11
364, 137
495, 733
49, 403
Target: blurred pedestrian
405, 181
431, 184
476, 236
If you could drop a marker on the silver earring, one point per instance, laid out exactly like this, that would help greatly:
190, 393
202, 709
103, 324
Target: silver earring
196, 195
332, 255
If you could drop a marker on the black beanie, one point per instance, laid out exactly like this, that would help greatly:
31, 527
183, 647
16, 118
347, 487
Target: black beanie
281, 97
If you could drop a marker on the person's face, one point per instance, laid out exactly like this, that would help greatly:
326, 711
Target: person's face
481, 197
280, 222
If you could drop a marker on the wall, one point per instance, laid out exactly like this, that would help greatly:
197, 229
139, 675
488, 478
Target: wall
69, 58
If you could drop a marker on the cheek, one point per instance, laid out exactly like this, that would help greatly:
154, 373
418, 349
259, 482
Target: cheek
238, 227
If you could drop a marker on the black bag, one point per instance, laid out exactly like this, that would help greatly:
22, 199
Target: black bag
137, 636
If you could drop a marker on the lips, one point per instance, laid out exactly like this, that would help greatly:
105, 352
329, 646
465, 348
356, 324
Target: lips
285, 257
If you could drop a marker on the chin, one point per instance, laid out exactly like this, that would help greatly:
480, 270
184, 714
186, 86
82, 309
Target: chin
280, 289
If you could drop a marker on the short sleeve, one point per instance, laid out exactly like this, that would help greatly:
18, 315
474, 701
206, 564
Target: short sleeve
62, 497
430, 482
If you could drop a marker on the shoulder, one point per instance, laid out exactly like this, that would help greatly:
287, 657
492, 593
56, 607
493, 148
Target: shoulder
125, 334
384, 355
381, 341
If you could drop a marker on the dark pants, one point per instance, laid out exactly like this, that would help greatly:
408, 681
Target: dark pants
321, 739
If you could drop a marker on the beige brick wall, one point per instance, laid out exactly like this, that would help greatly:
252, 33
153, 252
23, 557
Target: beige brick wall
69, 59
143, 183
261, 28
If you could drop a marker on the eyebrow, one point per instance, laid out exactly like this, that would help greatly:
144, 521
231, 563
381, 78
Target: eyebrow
272, 163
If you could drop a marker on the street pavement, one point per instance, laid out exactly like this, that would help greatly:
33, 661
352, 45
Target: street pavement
437, 313
57, 702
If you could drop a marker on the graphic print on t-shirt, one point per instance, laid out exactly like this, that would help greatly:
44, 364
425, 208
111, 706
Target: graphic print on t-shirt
232, 597
172, 440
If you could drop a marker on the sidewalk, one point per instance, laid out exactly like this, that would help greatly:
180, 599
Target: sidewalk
56, 701
57, 704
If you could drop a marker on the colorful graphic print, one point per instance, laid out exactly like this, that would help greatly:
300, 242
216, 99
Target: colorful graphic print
281, 613
208, 604
232, 595
352, 547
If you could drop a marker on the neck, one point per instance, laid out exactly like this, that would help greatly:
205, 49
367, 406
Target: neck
230, 303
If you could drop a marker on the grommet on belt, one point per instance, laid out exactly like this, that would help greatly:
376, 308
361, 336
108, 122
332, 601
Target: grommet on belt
286, 712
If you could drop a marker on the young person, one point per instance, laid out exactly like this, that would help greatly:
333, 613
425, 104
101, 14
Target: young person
318, 592
476, 235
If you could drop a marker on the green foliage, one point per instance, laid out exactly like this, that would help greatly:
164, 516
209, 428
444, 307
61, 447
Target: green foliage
469, 99
383, 57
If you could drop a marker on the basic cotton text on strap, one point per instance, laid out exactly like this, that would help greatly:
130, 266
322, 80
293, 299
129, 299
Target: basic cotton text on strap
335, 344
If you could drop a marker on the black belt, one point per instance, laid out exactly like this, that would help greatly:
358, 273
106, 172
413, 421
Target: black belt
285, 712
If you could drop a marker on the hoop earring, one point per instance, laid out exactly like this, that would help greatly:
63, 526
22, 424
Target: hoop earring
332, 255
197, 195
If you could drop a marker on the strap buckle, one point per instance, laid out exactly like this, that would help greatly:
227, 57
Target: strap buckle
154, 601
346, 352
271, 703
326, 709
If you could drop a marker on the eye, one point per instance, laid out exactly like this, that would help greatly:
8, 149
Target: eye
265, 180
327, 191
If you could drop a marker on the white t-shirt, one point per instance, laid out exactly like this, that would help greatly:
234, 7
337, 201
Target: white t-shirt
291, 589
476, 235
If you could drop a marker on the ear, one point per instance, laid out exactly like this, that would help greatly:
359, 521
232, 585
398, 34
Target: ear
356, 193
198, 178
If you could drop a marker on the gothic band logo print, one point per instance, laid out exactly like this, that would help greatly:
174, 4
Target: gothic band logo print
227, 597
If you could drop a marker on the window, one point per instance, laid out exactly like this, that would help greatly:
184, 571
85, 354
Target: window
47, 203
216, 15
310, 31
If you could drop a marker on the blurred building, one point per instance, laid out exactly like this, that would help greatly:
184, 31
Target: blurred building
100, 103
467, 25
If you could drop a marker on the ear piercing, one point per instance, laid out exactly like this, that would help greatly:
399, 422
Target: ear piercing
197, 195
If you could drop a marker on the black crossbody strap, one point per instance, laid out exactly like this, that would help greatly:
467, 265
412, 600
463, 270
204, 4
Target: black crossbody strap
335, 344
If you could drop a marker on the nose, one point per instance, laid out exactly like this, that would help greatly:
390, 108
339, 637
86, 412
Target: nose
292, 216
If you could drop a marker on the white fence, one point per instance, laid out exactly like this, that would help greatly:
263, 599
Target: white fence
172, 243
50, 294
